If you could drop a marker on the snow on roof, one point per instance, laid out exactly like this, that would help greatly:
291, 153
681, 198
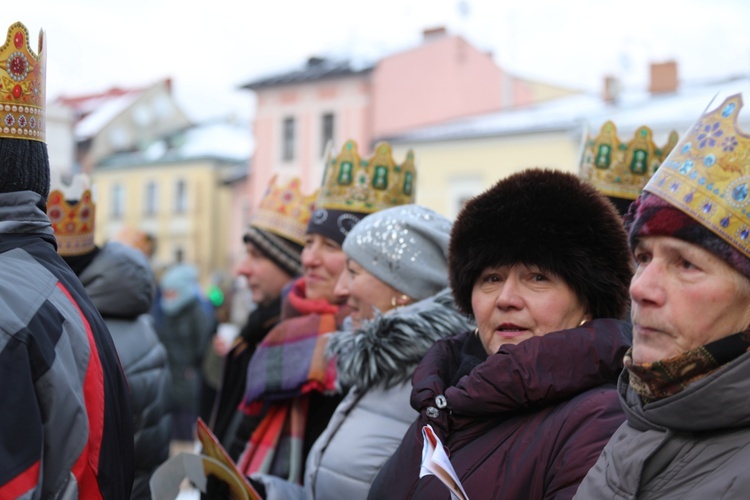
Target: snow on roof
674, 111
316, 68
104, 110
222, 141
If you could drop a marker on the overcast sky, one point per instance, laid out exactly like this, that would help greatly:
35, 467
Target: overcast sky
212, 47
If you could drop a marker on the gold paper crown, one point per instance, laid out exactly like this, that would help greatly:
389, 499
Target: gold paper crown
285, 211
71, 210
707, 176
22, 80
621, 169
353, 184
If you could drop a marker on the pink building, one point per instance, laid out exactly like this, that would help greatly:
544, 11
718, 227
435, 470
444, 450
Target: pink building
298, 112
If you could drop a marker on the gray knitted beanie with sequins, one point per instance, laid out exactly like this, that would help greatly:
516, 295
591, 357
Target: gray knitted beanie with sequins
404, 246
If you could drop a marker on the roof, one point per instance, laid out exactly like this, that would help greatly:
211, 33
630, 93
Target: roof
677, 111
107, 110
316, 68
219, 141
95, 111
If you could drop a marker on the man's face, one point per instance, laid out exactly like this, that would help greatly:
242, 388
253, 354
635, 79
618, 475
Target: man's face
683, 297
265, 279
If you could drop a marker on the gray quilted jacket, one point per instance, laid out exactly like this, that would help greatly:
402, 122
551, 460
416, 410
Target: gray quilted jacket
695, 444
120, 283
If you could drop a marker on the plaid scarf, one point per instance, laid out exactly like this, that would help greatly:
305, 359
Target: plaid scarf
288, 365
661, 379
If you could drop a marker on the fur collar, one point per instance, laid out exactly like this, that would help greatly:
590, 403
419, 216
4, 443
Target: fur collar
387, 348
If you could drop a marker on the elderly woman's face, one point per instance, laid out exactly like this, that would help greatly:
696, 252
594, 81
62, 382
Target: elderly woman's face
514, 303
683, 297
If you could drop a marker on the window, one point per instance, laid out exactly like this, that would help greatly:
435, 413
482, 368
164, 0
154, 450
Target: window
118, 201
461, 189
180, 197
326, 131
287, 152
179, 254
151, 201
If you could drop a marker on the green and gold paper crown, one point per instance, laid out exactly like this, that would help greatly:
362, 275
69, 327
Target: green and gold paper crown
285, 211
22, 84
707, 176
354, 184
622, 169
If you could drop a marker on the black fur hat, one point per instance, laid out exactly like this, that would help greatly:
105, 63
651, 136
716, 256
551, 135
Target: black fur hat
550, 219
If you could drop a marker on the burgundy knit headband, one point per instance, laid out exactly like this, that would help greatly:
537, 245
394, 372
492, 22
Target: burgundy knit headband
650, 215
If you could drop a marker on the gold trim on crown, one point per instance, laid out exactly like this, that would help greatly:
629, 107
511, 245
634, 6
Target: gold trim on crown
353, 184
285, 211
707, 176
621, 169
22, 86
73, 223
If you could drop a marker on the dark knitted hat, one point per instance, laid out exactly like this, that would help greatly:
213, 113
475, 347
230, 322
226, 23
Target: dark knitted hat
285, 253
650, 215
24, 166
549, 219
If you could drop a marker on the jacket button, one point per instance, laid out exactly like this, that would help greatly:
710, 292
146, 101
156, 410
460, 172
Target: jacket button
441, 402
432, 412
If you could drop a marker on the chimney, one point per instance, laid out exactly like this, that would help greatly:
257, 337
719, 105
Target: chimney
663, 77
611, 93
315, 61
430, 34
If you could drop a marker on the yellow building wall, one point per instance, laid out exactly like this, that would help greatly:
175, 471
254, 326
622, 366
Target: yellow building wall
449, 172
201, 232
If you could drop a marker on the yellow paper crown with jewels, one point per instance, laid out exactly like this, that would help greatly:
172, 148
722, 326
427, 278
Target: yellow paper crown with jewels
707, 176
622, 169
285, 211
22, 86
354, 184
72, 210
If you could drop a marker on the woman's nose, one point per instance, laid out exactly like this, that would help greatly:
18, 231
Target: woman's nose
509, 295
342, 289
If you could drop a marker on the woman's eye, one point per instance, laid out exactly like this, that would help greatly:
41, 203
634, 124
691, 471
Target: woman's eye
641, 258
538, 277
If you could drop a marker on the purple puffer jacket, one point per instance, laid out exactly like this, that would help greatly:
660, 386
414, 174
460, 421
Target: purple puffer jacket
525, 423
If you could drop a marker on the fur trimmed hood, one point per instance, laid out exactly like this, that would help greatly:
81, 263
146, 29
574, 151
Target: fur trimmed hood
549, 219
388, 348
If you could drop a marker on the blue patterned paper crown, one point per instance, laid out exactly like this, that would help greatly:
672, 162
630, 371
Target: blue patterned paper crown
707, 176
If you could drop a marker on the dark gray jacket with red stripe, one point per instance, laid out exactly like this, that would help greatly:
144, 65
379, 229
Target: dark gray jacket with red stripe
525, 423
65, 423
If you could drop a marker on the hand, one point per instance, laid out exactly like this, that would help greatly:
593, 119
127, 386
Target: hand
220, 346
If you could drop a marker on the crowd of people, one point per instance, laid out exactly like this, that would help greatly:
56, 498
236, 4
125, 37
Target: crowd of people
566, 336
